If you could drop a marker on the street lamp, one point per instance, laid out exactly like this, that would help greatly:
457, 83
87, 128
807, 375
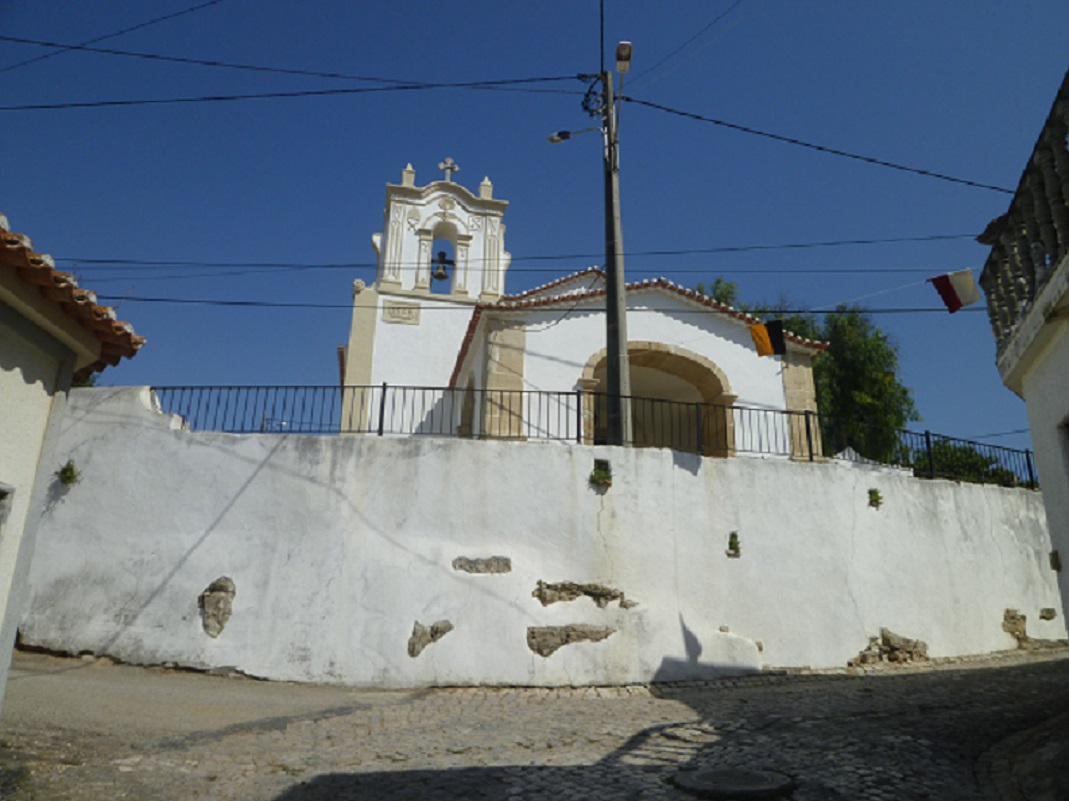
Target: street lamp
618, 372
564, 136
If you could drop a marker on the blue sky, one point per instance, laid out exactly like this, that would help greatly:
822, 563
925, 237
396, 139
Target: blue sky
955, 87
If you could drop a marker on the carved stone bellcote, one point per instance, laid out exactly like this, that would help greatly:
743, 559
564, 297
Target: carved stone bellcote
416, 217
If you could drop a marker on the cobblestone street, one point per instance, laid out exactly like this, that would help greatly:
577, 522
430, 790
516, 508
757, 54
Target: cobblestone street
983, 729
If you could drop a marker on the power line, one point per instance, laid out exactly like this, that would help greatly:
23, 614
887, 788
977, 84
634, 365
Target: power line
138, 263
208, 62
66, 48
687, 43
237, 66
508, 82
821, 148
229, 273
1002, 434
349, 306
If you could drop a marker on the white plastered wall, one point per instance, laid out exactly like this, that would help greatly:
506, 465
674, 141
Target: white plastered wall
32, 367
559, 345
1046, 391
419, 355
338, 545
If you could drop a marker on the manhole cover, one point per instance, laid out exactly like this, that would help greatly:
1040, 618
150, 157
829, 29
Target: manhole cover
734, 784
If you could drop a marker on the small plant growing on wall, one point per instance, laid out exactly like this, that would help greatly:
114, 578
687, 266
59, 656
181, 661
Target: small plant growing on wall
875, 499
734, 550
68, 474
601, 475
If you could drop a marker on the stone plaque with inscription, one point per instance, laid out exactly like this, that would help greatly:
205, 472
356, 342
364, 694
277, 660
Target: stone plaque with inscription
396, 312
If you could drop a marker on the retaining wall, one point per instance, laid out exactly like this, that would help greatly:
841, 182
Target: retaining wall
337, 547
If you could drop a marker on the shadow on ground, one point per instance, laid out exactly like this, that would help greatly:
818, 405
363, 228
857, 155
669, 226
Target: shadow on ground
900, 735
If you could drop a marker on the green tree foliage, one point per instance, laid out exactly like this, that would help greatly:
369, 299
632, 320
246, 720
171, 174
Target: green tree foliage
964, 462
86, 381
860, 398
724, 291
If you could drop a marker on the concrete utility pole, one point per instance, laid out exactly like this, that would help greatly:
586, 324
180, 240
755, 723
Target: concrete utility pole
618, 370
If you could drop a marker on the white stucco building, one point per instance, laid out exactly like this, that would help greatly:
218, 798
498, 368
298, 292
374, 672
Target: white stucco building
516, 366
1026, 279
50, 332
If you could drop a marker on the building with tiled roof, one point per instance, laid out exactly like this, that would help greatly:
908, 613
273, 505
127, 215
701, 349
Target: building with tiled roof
436, 316
51, 332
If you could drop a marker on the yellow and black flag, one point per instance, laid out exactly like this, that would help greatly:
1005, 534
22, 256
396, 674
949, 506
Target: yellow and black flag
768, 338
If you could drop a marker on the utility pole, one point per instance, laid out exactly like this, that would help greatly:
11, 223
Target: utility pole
618, 369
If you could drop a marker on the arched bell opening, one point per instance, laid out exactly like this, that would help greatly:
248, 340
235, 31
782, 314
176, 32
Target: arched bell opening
443, 264
679, 400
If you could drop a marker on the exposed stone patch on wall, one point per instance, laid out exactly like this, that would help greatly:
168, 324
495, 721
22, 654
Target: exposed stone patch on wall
1015, 624
570, 590
491, 564
891, 647
544, 640
216, 604
422, 636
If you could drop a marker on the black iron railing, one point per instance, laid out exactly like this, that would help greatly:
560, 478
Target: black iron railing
577, 416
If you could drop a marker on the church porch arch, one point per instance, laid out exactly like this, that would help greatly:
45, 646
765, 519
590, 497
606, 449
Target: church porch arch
679, 398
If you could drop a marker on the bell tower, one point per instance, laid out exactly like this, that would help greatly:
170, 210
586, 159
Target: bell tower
440, 252
416, 217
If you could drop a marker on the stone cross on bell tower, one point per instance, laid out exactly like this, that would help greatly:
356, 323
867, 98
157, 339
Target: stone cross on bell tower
448, 167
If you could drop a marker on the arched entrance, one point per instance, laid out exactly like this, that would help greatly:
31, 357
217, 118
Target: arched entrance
680, 400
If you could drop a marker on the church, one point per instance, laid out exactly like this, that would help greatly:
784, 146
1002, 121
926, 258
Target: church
532, 365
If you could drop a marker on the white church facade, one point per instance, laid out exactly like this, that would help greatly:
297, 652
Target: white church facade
532, 365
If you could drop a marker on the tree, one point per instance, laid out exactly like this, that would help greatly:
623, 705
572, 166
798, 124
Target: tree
721, 290
860, 398
964, 462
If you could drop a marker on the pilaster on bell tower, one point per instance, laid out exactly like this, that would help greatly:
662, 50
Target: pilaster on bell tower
416, 217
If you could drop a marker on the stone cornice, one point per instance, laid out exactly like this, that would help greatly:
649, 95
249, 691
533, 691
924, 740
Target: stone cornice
464, 195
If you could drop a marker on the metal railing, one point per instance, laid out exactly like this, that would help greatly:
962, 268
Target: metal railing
579, 417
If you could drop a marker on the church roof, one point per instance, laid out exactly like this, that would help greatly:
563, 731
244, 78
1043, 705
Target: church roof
539, 297
568, 286
569, 290
117, 339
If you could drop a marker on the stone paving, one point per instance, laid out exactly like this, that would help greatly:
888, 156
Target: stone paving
990, 730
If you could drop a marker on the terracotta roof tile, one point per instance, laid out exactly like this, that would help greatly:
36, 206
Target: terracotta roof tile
117, 339
591, 271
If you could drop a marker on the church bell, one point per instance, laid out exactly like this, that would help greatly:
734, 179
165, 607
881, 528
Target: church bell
438, 265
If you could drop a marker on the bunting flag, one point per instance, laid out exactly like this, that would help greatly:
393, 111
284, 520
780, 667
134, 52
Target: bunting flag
768, 338
957, 289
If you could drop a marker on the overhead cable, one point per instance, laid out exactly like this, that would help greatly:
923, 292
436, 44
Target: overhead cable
220, 64
687, 43
507, 82
538, 257
65, 48
821, 148
349, 306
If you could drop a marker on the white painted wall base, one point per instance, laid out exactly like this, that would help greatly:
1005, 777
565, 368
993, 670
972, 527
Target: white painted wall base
338, 545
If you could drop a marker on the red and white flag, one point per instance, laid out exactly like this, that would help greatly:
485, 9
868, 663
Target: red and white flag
957, 289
